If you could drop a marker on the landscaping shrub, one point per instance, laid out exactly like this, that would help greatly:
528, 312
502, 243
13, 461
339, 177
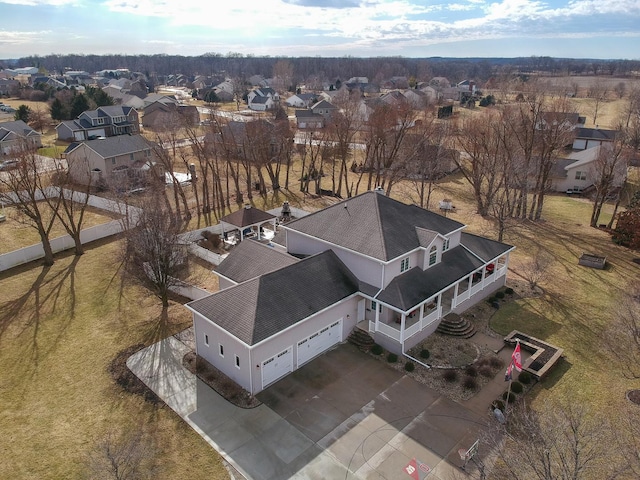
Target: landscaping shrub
471, 371
469, 383
499, 295
450, 375
377, 349
392, 358
491, 299
215, 240
511, 395
424, 353
508, 291
485, 371
524, 377
496, 362
499, 404
516, 387
409, 366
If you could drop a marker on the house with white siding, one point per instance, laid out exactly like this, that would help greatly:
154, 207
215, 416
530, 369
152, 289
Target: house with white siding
368, 262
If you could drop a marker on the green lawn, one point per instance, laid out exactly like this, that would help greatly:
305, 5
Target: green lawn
577, 305
54, 151
59, 330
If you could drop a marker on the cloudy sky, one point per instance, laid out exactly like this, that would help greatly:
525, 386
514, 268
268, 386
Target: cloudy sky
363, 28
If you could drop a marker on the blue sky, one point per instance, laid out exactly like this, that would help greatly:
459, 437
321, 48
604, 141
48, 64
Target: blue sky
362, 28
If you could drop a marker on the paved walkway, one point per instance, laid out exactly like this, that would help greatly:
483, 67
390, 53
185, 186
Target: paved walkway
405, 420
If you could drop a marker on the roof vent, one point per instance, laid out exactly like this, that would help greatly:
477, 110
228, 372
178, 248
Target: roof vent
247, 206
379, 190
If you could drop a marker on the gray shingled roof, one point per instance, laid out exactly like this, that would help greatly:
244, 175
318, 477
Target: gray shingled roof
250, 259
484, 248
414, 286
118, 145
247, 216
18, 127
596, 134
374, 225
260, 308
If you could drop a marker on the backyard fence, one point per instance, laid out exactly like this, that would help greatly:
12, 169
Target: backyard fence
35, 252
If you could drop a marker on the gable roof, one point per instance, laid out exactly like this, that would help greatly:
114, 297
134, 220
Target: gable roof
17, 127
374, 225
260, 308
415, 285
247, 216
250, 259
114, 146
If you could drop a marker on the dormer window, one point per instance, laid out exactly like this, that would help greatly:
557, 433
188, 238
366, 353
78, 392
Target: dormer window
404, 265
445, 245
433, 255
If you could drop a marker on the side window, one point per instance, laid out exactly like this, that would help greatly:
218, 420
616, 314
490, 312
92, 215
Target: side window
404, 265
206, 339
221, 350
237, 361
433, 255
445, 245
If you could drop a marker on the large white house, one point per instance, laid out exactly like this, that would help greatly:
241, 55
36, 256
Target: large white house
392, 269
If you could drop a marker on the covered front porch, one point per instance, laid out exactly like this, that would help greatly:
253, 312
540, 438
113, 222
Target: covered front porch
392, 326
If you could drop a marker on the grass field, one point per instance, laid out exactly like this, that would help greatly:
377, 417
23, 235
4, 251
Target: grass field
16, 233
59, 330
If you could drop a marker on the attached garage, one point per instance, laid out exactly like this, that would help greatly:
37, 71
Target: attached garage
277, 367
319, 342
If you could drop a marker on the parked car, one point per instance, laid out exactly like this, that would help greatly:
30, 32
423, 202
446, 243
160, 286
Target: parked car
7, 109
8, 165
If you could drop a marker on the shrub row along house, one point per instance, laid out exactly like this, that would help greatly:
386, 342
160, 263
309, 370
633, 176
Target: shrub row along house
395, 270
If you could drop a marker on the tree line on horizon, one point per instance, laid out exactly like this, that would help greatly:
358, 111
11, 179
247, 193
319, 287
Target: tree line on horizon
239, 65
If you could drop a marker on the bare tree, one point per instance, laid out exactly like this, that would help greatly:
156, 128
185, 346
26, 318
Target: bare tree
608, 173
482, 160
559, 442
598, 93
124, 456
536, 270
24, 187
620, 89
623, 335
153, 254
69, 203
283, 75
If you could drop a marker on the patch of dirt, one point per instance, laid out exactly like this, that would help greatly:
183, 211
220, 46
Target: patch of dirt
634, 396
127, 380
217, 380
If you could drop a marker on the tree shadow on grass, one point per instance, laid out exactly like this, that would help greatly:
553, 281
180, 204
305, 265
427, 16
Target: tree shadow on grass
50, 298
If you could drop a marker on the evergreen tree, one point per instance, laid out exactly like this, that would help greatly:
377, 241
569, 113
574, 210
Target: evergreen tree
22, 113
79, 104
58, 110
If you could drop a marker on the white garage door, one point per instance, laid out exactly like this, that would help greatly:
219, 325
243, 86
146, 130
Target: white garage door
277, 366
319, 342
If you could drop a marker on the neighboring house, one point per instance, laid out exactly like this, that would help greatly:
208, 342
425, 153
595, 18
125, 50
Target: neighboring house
395, 270
161, 115
17, 135
105, 121
158, 97
244, 139
555, 120
417, 98
579, 171
262, 99
592, 137
123, 161
50, 81
8, 86
394, 98
315, 117
302, 100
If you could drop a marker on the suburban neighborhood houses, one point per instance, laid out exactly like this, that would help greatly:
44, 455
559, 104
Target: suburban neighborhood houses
280, 267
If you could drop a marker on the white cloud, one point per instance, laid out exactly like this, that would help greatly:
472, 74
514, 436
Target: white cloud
21, 38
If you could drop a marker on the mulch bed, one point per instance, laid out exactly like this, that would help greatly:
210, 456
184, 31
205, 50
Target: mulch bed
219, 382
127, 380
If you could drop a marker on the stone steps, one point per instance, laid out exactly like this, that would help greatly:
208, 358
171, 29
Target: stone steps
457, 326
360, 338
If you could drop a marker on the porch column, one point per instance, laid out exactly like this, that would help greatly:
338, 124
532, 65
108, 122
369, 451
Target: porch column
402, 320
454, 300
377, 316
421, 314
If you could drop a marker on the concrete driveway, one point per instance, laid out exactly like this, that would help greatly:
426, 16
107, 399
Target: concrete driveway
344, 415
